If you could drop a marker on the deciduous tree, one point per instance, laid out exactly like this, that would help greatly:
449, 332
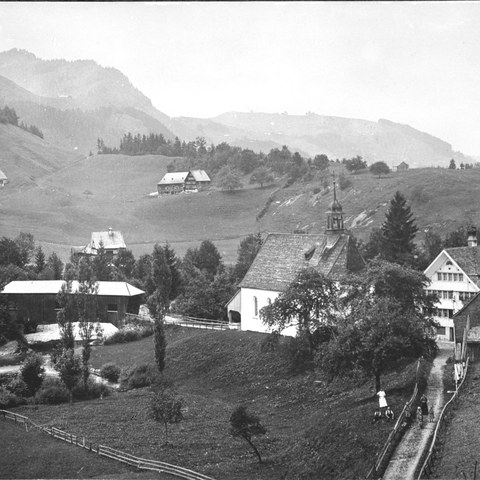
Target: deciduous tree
246, 425
379, 168
166, 408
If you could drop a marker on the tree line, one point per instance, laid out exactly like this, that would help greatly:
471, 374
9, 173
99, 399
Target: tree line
9, 116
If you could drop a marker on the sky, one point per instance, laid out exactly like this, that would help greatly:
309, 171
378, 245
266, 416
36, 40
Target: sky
409, 62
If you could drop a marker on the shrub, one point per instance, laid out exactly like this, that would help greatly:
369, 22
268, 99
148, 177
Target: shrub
344, 182
316, 190
298, 353
9, 399
126, 335
138, 377
93, 390
110, 372
33, 372
18, 387
52, 392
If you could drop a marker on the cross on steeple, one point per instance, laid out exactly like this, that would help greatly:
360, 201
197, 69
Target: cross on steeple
335, 215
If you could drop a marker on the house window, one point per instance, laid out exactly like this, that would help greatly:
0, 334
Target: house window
255, 306
112, 307
269, 301
450, 295
439, 276
440, 330
460, 277
450, 277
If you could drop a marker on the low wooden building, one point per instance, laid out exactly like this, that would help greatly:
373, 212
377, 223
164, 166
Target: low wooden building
467, 328
402, 167
37, 300
112, 241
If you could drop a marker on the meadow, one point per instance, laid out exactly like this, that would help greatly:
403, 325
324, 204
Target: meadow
315, 428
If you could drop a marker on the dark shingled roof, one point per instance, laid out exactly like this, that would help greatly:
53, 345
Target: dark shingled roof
468, 259
283, 255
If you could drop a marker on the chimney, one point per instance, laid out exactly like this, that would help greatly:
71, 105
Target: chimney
110, 232
472, 236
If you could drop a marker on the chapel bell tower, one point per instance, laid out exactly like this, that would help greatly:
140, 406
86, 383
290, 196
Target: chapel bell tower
335, 215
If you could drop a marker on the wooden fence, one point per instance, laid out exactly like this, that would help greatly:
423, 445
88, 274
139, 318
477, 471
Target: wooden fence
140, 463
384, 455
183, 321
436, 445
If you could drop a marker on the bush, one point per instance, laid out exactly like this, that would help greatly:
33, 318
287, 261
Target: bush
270, 343
316, 190
344, 182
18, 387
9, 399
52, 392
110, 372
126, 335
138, 377
33, 372
93, 390
298, 353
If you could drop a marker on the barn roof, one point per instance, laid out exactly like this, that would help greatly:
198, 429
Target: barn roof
111, 239
52, 287
200, 175
468, 259
173, 178
283, 255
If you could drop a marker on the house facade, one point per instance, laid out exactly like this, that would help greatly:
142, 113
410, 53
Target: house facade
112, 241
177, 182
455, 278
280, 259
37, 300
467, 328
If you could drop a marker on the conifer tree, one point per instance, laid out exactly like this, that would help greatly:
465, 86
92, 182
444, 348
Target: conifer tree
399, 232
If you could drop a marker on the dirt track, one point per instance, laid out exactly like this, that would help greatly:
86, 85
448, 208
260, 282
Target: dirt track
408, 453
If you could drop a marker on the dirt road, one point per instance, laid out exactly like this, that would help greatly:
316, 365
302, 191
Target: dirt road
408, 453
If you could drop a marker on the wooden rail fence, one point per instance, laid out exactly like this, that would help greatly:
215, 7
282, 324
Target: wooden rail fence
384, 455
103, 450
444, 418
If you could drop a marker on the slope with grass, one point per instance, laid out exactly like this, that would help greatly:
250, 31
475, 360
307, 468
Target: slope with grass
315, 429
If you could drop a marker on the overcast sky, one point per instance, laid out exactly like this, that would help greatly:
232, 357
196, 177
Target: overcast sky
415, 63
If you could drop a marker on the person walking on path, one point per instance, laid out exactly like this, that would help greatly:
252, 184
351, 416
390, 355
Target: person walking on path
424, 404
382, 400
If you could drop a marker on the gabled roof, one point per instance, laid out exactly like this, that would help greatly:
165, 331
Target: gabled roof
3, 176
200, 175
111, 240
52, 287
468, 259
173, 178
283, 255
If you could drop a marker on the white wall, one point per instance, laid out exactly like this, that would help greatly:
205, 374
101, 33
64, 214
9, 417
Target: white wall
450, 285
250, 319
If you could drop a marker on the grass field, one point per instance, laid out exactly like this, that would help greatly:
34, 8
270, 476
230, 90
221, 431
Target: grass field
315, 429
62, 205
36, 455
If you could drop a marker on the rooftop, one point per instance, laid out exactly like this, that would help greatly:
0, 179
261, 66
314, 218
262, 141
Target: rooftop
52, 287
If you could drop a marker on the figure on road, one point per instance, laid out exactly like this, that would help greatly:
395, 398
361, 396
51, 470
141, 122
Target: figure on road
424, 404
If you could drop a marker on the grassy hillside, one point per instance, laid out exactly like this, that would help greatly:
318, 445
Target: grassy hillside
62, 209
61, 206
315, 429
440, 199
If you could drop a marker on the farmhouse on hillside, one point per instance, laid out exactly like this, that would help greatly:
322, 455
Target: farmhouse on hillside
455, 278
402, 167
3, 179
282, 256
177, 182
112, 240
37, 300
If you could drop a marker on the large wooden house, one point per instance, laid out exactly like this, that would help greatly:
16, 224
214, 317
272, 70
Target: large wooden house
177, 182
281, 257
112, 241
455, 278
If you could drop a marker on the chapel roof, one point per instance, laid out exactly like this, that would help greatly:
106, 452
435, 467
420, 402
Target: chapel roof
283, 255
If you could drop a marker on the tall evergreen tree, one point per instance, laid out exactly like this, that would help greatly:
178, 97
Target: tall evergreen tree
399, 232
40, 263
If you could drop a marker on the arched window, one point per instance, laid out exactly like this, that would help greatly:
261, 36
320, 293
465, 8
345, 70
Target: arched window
255, 306
269, 300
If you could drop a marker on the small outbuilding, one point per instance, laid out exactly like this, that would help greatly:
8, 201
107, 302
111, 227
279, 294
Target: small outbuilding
402, 167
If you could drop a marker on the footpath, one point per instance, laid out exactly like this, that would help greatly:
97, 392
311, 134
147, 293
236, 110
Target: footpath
408, 454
